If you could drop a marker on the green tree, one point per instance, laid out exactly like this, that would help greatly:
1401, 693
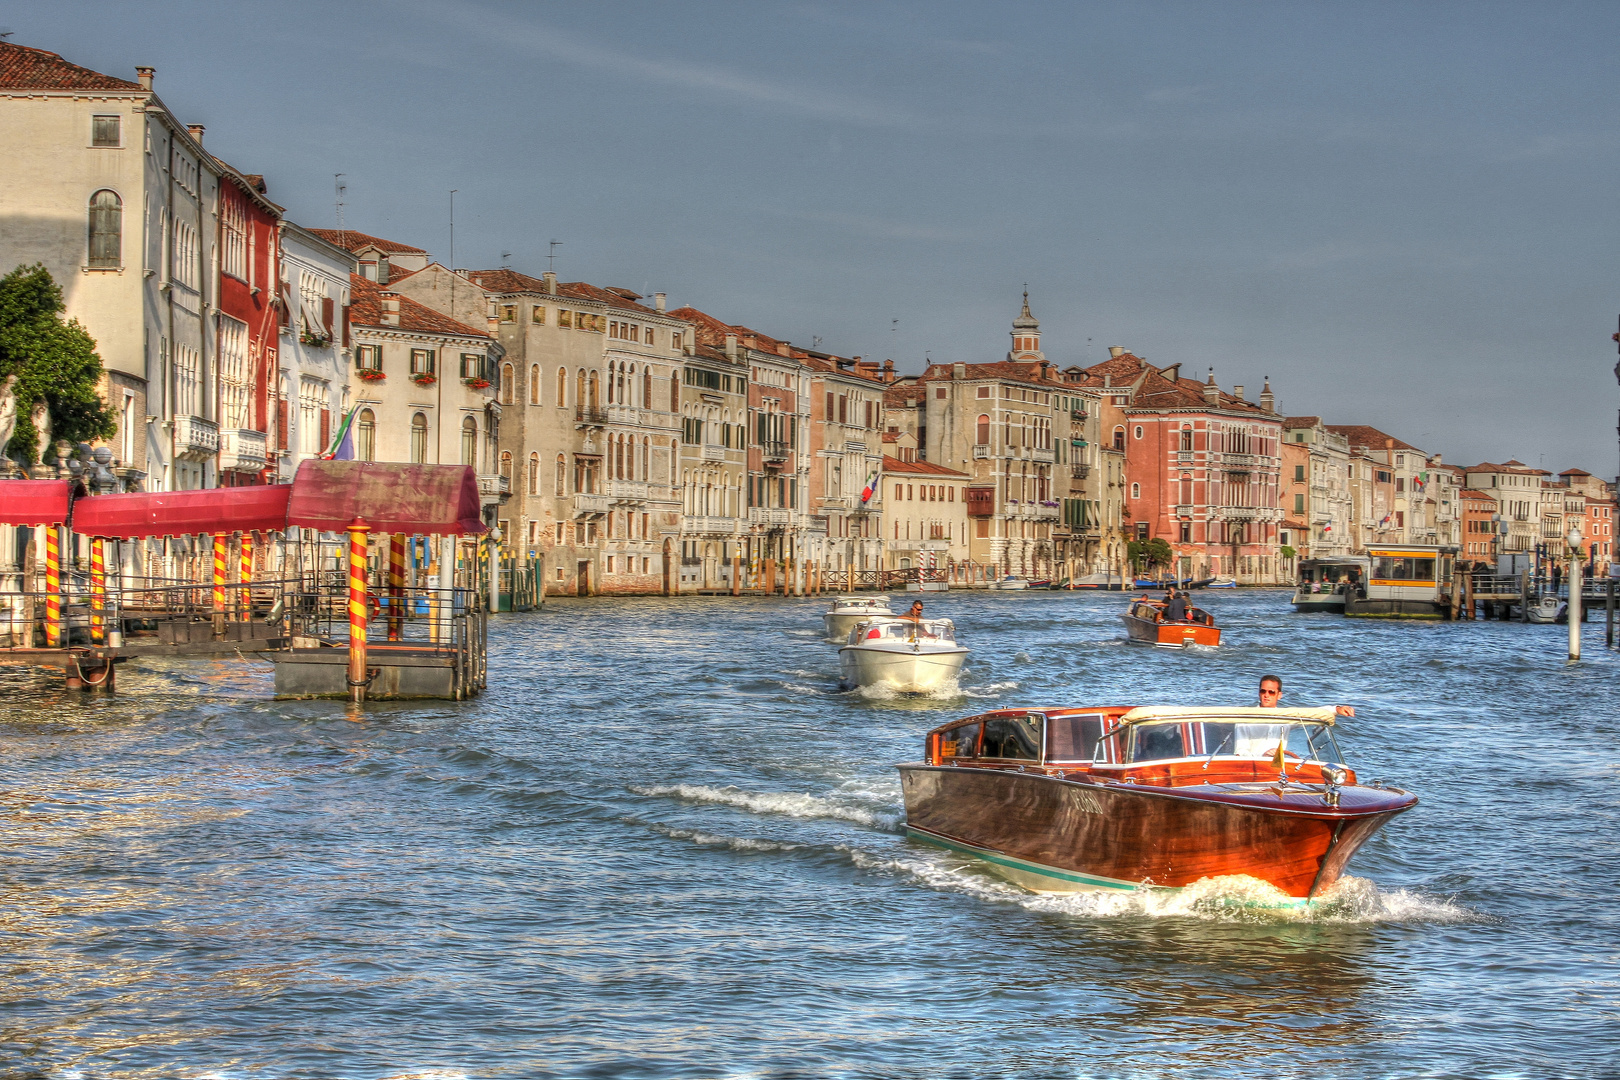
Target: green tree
1146, 554
1287, 552
54, 362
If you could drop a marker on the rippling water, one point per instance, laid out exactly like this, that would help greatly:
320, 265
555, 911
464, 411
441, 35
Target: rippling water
665, 844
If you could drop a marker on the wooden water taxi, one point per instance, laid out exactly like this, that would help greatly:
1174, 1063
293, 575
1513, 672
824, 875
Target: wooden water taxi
1114, 798
1146, 625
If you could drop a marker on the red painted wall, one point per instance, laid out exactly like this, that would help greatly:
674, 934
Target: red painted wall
250, 301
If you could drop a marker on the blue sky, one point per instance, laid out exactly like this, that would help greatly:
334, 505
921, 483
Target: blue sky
1405, 214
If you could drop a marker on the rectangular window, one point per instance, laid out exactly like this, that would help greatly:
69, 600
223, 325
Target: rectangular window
508, 313
538, 315
1299, 474
104, 131
423, 361
565, 318
369, 357
676, 341
472, 366
1299, 504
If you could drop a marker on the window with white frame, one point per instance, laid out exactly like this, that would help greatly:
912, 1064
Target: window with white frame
311, 293
187, 368
234, 374
184, 252
233, 236
311, 400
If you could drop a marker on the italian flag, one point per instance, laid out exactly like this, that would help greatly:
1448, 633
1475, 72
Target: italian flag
342, 448
870, 489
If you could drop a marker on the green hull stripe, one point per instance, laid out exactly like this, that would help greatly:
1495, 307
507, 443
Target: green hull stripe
1037, 869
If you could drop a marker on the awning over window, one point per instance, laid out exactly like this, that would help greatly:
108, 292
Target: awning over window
410, 499
183, 513
36, 502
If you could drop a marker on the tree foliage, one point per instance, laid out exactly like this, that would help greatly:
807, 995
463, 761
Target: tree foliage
1149, 553
55, 364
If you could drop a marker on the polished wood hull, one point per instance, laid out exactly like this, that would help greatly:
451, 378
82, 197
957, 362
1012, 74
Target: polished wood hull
1171, 635
1056, 832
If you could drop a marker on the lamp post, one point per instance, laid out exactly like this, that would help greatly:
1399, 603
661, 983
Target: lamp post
1574, 539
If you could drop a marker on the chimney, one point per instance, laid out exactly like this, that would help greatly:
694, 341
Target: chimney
1114, 351
783, 349
493, 326
196, 132
1108, 382
731, 346
550, 278
1212, 393
1237, 391
390, 308
1173, 372
888, 371
144, 74
658, 301
958, 371
1268, 403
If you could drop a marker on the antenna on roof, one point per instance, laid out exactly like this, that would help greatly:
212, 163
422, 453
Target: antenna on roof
340, 188
506, 260
6, 32
453, 229
815, 341
551, 256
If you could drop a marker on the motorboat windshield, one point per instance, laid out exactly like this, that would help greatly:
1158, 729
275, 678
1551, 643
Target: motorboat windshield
856, 604
1300, 741
937, 631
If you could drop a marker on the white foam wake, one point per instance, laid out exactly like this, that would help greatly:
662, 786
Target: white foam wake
1224, 899
736, 843
787, 803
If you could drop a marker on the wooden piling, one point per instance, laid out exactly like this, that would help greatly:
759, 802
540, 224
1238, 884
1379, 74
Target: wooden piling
736, 574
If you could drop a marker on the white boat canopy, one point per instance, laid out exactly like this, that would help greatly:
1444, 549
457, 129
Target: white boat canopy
1242, 715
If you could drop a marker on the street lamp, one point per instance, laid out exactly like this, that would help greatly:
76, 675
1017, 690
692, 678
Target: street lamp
1574, 539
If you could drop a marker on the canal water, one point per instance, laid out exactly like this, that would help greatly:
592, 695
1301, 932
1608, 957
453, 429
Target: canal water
665, 845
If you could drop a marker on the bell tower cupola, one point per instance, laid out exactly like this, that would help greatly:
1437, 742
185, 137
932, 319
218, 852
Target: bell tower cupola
1026, 335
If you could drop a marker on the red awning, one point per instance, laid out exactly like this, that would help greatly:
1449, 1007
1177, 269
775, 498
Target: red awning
183, 513
36, 502
410, 499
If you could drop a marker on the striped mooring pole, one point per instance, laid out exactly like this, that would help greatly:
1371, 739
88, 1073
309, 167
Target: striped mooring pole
98, 591
53, 587
396, 586
245, 576
221, 558
358, 532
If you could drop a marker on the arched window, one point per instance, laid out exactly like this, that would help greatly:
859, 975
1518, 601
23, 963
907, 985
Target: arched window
579, 389
1138, 431
674, 392
1186, 437
612, 367
646, 387
469, 442
506, 464
982, 431
630, 388
595, 399
562, 387
1119, 437
560, 488
508, 377
534, 384
534, 471
365, 436
646, 458
1136, 491
418, 438
106, 230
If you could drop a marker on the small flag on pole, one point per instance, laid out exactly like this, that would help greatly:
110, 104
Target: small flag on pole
342, 448
870, 489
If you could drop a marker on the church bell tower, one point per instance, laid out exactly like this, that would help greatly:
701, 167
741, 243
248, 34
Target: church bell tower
1026, 335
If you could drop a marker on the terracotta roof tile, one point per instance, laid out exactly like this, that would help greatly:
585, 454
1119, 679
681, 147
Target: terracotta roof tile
365, 309
1477, 494
1369, 437
1301, 421
1510, 466
23, 68
920, 468
350, 240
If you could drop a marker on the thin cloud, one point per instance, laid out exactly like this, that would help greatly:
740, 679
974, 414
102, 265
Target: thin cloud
559, 45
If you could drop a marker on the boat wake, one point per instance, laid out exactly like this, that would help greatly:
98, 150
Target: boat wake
735, 843
786, 803
990, 690
1221, 899
945, 691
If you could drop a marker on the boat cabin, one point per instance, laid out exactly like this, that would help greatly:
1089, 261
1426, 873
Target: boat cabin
855, 604
1404, 579
1167, 746
903, 630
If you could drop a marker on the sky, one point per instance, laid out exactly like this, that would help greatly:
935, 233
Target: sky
1403, 214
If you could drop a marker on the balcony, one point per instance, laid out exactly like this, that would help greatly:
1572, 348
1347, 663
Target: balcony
195, 437
1185, 510
623, 414
1078, 415
835, 503
587, 416
714, 452
243, 450
775, 451
1043, 512
764, 515
981, 501
697, 525
1079, 471
627, 490
590, 505
1244, 461
981, 451
1042, 455
496, 486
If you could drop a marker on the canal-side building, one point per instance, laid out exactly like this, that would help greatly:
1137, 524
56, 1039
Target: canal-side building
1401, 516
120, 203
1517, 489
1316, 488
846, 455
925, 513
1202, 468
1597, 521
379, 260
248, 325
310, 368
423, 390
1478, 523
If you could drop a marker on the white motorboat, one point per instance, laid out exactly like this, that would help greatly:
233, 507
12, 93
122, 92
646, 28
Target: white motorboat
912, 657
1544, 609
1011, 581
846, 611
1221, 581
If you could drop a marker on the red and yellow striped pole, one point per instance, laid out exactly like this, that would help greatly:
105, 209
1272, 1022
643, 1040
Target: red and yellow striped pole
221, 559
98, 591
245, 576
358, 532
396, 586
53, 587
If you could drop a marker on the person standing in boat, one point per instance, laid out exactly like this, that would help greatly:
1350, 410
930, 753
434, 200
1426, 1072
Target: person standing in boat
1271, 696
1175, 608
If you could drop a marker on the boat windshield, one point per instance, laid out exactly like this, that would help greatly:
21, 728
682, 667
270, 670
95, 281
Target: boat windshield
1329, 573
1015, 737
1300, 741
905, 630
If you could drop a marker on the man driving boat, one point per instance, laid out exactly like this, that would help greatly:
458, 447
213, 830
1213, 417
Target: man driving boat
1271, 696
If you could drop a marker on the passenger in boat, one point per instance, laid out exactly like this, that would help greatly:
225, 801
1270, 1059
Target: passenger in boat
1271, 696
1175, 610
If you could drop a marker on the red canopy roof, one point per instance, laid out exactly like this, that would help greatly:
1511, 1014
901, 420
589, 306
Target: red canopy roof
410, 499
183, 513
35, 502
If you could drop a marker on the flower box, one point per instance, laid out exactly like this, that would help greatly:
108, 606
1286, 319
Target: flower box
310, 337
424, 378
371, 374
477, 384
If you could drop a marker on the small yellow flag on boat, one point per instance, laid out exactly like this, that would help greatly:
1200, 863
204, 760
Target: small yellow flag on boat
1278, 759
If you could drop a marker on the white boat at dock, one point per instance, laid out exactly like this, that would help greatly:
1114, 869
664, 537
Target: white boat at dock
846, 611
1011, 581
913, 657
